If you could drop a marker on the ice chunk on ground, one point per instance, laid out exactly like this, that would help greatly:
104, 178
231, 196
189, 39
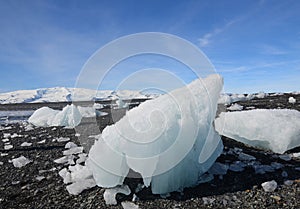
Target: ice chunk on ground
87, 111
296, 155
66, 175
69, 159
1, 163
82, 158
8, 146
79, 172
110, 194
261, 95
78, 186
286, 157
43, 117
288, 182
73, 150
69, 117
5, 140
20, 161
235, 107
61, 139
26, 144
269, 186
181, 120
218, 169
292, 100
15, 135
70, 145
276, 165
262, 169
6, 135
42, 141
237, 166
129, 205
40, 178
262, 128
245, 157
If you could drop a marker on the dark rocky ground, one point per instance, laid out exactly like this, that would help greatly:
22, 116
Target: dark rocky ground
19, 187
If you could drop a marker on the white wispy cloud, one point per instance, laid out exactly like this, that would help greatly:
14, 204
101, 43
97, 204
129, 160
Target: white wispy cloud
272, 50
259, 65
206, 39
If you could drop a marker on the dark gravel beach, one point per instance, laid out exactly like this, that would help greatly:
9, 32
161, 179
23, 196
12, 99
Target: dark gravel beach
38, 185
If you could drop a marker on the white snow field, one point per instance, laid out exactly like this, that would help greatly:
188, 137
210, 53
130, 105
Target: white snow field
169, 140
277, 129
62, 94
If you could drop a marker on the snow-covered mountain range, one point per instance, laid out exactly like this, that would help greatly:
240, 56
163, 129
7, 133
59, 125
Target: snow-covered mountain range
63, 94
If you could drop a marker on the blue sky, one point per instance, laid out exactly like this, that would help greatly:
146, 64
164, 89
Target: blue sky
254, 45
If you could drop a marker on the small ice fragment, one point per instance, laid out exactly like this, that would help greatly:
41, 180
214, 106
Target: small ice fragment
250, 108
82, 158
218, 169
288, 182
135, 198
262, 169
235, 107
292, 100
79, 172
26, 144
70, 145
1, 163
63, 139
237, 166
39, 178
276, 165
3, 154
110, 194
237, 150
77, 134
129, 205
20, 161
296, 155
72, 151
77, 187
66, 175
7, 147
269, 186
207, 200
15, 182
15, 135
246, 157
5, 140
286, 157
42, 141
69, 159
6, 135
